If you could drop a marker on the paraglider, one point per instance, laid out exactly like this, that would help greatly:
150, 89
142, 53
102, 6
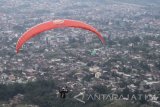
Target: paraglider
63, 92
35, 30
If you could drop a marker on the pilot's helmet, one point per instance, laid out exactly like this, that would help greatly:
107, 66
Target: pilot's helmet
63, 88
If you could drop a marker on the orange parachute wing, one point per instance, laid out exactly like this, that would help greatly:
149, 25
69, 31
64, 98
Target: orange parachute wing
35, 30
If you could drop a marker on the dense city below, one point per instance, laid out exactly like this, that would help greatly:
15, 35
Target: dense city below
128, 64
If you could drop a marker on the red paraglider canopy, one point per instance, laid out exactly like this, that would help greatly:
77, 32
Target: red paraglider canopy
35, 30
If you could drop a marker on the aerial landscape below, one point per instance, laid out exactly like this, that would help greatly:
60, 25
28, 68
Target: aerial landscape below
74, 67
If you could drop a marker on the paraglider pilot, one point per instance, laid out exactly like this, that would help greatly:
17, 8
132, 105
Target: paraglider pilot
63, 92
